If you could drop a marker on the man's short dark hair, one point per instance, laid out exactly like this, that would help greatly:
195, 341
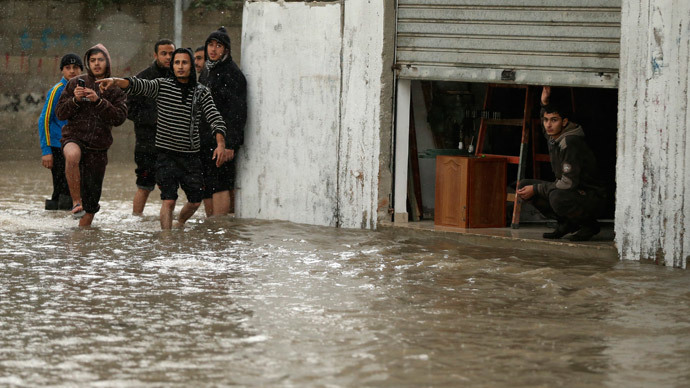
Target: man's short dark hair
551, 108
200, 48
93, 51
162, 42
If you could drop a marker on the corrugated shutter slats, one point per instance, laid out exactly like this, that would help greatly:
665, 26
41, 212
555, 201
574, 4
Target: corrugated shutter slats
574, 42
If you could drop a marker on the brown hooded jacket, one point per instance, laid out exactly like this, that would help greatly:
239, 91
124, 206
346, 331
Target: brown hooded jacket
90, 123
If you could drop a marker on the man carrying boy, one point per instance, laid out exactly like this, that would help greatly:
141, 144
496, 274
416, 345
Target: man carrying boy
576, 197
91, 115
50, 133
181, 101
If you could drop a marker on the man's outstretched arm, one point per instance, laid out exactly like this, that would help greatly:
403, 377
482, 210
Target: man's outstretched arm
107, 83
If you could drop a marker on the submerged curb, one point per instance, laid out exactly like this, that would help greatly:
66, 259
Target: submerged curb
605, 250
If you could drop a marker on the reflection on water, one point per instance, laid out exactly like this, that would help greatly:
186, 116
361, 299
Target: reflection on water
250, 303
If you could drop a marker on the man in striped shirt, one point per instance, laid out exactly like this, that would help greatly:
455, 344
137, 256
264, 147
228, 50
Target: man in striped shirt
50, 133
181, 101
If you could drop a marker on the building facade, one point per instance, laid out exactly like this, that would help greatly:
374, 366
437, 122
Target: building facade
330, 85
356, 166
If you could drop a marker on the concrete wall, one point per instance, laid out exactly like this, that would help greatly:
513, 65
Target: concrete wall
290, 156
653, 198
314, 137
34, 34
359, 145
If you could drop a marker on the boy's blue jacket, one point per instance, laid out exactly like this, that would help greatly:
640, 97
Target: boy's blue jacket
49, 127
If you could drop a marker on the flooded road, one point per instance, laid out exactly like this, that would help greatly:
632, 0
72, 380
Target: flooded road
253, 303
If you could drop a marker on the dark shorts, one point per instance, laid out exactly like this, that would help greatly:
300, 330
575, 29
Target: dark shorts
92, 170
217, 179
174, 171
146, 169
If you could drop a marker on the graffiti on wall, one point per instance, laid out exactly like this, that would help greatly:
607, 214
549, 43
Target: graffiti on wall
21, 102
50, 39
29, 60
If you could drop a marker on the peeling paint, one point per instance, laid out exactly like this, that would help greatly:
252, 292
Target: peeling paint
313, 133
653, 200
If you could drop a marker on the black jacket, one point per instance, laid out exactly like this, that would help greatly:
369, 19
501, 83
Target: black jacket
229, 90
142, 110
573, 164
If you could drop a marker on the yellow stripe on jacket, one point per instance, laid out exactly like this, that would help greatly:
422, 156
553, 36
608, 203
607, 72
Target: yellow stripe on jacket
49, 112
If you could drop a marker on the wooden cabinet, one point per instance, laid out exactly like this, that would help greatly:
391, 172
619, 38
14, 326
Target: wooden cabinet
470, 192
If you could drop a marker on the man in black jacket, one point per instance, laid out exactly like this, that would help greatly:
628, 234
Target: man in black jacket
142, 111
576, 197
199, 59
229, 89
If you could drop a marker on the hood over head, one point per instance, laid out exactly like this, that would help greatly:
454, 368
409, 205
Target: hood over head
192, 71
98, 47
571, 129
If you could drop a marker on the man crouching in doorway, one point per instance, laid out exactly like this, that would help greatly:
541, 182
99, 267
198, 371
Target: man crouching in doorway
576, 197
181, 101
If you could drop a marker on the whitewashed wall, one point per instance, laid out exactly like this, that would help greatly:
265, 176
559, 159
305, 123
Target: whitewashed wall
358, 170
653, 195
312, 137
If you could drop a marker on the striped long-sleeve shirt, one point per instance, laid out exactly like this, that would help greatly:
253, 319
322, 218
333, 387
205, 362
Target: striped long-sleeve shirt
175, 130
49, 127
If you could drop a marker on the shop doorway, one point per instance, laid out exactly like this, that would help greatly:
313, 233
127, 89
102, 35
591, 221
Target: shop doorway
446, 118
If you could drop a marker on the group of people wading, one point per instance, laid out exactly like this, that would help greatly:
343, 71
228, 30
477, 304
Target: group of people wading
187, 130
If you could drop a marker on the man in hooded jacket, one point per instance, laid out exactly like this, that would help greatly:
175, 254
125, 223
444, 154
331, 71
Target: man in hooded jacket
181, 103
576, 197
91, 114
229, 89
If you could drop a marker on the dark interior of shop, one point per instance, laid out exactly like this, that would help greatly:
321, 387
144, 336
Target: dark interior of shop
454, 113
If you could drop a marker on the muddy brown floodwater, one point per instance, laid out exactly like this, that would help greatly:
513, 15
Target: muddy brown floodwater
254, 303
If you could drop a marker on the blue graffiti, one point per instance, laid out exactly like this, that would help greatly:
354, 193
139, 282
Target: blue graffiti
49, 40
25, 40
657, 64
44, 37
76, 40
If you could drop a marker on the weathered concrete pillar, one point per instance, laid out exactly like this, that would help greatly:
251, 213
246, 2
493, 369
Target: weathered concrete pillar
359, 141
653, 187
313, 136
402, 148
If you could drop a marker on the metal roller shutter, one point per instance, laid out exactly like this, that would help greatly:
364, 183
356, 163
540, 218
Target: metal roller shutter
556, 42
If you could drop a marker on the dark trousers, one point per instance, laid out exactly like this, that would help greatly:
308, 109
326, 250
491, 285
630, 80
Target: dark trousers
146, 169
58, 172
575, 206
92, 169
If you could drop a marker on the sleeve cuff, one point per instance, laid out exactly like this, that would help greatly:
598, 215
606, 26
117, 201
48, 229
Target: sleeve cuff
130, 83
